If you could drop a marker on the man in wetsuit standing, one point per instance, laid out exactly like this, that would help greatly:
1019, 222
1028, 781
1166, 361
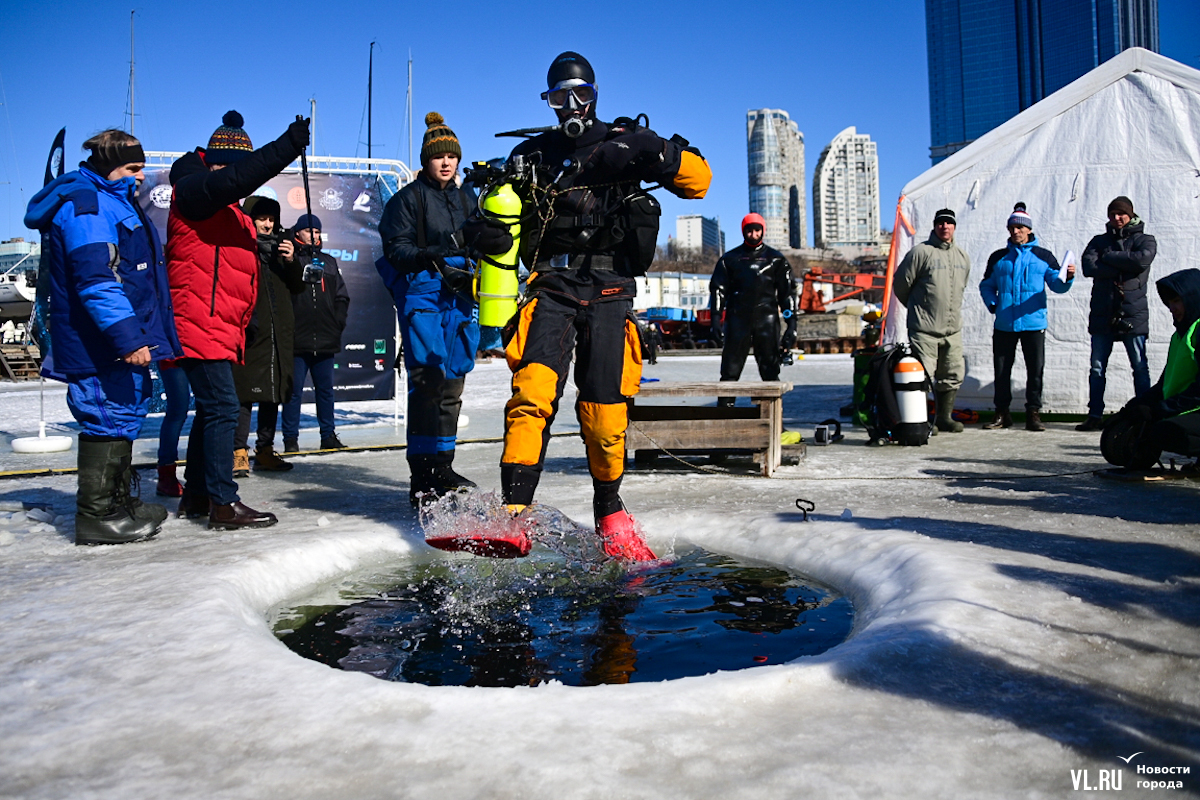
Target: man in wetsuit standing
753, 285
588, 230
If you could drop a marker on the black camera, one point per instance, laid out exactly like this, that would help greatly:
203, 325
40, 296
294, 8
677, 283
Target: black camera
314, 271
1119, 325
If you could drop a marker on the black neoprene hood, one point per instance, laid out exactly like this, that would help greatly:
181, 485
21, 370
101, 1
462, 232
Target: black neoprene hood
567, 66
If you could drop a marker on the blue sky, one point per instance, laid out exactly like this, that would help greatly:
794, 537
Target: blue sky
694, 68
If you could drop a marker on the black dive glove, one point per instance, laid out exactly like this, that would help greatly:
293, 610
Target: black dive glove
489, 236
617, 154
297, 133
718, 335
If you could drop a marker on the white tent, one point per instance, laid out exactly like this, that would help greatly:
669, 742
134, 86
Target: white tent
1129, 127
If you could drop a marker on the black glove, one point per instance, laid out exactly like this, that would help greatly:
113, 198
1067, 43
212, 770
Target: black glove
298, 134
429, 261
991, 309
617, 154
789, 339
718, 335
489, 236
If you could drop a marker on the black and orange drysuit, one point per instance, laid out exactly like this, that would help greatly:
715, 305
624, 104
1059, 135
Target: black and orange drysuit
594, 230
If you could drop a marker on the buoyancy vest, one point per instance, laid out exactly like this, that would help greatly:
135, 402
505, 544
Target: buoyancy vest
212, 265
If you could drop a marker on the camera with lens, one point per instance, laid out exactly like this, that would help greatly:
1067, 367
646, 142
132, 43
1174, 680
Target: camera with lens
314, 271
1119, 324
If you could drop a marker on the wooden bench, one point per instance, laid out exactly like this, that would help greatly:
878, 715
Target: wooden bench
682, 429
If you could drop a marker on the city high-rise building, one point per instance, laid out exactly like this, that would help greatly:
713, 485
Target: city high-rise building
699, 236
989, 60
846, 195
775, 148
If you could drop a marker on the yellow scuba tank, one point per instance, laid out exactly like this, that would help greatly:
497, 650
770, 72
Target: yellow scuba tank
498, 274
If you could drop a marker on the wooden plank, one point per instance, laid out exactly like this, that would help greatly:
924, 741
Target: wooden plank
715, 389
749, 434
639, 413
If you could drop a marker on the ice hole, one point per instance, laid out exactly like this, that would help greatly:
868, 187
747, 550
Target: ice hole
558, 617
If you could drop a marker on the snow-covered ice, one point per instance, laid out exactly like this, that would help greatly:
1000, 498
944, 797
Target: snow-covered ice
1012, 630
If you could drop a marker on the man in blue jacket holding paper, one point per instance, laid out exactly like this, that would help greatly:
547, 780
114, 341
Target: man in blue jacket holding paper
1014, 289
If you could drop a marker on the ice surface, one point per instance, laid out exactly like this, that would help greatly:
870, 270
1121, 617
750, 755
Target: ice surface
1010, 628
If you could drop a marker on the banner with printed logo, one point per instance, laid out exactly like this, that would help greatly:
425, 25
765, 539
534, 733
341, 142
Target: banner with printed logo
349, 207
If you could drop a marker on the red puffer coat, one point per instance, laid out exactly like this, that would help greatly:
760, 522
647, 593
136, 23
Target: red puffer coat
212, 265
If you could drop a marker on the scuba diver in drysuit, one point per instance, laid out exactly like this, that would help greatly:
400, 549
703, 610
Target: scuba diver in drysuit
1165, 418
753, 285
588, 229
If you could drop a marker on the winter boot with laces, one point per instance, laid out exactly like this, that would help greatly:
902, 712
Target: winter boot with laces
241, 463
265, 458
1033, 420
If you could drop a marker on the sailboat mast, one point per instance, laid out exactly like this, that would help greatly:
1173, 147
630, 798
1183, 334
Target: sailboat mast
370, 75
408, 111
312, 115
131, 59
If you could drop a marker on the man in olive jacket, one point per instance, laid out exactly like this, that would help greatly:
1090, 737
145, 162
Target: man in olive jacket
930, 282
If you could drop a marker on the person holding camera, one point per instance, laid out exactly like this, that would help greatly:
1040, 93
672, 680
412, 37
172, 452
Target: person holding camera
212, 262
1118, 262
320, 309
753, 285
435, 305
1014, 290
266, 376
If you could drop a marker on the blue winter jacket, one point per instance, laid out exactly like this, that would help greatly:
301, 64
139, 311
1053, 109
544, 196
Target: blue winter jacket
1014, 285
109, 294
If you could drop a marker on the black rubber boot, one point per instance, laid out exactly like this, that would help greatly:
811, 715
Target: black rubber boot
422, 488
101, 515
445, 478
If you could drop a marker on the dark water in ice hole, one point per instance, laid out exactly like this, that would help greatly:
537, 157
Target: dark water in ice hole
483, 622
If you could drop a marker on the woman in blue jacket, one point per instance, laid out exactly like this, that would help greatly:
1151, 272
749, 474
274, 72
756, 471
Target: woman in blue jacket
1014, 289
111, 316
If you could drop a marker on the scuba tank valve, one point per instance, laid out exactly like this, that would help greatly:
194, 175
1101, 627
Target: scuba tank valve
498, 274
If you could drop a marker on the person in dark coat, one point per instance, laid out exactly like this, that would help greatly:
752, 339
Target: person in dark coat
321, 308
266, 376
1118, 262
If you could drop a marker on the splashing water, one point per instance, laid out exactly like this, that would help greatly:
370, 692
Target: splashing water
567, 614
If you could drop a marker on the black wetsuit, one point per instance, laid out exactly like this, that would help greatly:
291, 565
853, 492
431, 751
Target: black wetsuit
754, 287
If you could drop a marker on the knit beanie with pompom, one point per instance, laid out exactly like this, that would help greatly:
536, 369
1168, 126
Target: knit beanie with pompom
229, 143
438, 139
